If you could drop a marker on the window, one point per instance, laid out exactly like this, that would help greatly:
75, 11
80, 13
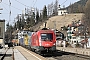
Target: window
74, 41
82, 37
46, 36
74, 37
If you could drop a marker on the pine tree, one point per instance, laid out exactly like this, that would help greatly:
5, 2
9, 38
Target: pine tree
40, 17
37, 17
45, 12
32, 19
15, 26
7, 25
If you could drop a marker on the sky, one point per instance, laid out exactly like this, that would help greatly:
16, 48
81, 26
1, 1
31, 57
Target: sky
18, 5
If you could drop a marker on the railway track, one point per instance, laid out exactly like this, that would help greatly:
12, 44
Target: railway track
6, 54
3, 54
60, 55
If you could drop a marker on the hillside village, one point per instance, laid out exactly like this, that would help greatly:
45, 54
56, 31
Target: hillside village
69, 24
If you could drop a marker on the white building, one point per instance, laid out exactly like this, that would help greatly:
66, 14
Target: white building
88, 43
62, 11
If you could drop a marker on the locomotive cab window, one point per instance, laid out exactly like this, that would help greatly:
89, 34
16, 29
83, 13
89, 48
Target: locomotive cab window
47, 36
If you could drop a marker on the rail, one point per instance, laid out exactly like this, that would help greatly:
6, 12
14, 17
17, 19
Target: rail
3, 55
7, 52
13, 54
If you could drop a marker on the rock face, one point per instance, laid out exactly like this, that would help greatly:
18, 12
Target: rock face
57, 22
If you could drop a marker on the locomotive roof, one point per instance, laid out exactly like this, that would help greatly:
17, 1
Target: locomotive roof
45, 31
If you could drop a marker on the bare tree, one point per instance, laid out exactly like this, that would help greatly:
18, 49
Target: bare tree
56, 7
86, 18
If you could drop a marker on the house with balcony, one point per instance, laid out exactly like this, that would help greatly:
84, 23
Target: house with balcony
77, 33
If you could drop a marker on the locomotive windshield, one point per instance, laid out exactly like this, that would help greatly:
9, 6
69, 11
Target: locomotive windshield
46, 36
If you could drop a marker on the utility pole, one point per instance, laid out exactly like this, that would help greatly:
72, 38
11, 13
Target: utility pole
10, 20
1, 8
45, 24
54, 26
85, 46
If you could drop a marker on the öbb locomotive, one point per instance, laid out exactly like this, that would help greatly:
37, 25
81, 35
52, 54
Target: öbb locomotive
43, 41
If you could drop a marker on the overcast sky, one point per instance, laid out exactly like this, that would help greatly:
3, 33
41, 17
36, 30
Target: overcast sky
18, 5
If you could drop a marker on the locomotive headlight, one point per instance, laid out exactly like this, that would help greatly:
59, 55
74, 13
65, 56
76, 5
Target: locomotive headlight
54, 44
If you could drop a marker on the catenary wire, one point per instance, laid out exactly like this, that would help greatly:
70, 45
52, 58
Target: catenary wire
12, 6
21, 3
64, 2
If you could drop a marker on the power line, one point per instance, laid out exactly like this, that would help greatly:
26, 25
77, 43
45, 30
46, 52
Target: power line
5, 8
21, 3
9, 13
26, 5
34, 3
64, 2
12, 6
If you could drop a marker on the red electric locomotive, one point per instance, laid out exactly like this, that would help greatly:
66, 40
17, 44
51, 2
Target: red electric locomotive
43, 41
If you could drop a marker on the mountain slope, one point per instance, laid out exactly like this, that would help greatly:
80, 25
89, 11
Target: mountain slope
77, 6
61, 21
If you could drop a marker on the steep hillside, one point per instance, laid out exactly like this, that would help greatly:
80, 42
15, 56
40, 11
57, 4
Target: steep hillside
61, 21
77, 7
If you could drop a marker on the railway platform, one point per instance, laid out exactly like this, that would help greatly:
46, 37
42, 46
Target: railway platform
81, 51
21, 53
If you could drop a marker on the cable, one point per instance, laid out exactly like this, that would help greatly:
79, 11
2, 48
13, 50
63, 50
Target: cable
13, 6
63, 2
9, 13
5, 8
21, 3
34, 3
